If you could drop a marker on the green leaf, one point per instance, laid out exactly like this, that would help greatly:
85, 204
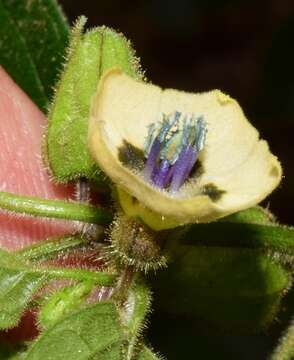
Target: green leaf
91, 333
89, 55
147, 354
17, 285
254, 215
19, 281
235, 231
33, 37
228, 287
63, 302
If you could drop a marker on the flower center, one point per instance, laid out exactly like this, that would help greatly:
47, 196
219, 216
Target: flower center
171, 149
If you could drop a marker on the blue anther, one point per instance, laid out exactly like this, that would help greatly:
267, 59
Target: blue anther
172, 148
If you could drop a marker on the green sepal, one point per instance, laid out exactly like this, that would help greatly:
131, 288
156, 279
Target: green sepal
33, 39
91, 333
64, 302
230, 288
89, 55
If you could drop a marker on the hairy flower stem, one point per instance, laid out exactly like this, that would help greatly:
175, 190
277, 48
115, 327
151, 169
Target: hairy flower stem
83, 195
123, 285
58, 209
83, 190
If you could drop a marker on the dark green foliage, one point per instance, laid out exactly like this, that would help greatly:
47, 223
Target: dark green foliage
33, 37
226, 287
223, 274
248, 229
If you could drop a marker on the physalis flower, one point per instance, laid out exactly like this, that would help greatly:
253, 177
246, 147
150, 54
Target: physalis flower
176, 157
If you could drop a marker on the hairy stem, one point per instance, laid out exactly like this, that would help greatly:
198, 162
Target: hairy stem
48, 248
83, 195
82, 191
54, 208
99, 278
121, 290
142, 300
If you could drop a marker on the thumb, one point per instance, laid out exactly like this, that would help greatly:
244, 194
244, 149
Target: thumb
22, 127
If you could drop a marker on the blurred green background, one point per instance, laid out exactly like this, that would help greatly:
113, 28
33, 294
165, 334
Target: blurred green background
244, 48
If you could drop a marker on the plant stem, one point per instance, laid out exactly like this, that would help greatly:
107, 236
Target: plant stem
54, 208
99, 278
142, 301
121, 290
83, 196
285, 349
48, 248
82, 191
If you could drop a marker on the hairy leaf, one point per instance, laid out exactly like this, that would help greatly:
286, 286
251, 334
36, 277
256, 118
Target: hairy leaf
17, 285
147, 354
64, 302
236, 231
19, 281
91, 333
254, 215
33, 37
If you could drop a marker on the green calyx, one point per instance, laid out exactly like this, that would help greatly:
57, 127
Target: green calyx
89, 55
136, 245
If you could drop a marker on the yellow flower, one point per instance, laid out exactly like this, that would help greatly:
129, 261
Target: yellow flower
177, 157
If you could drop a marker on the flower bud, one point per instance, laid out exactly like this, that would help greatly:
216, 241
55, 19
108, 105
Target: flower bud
89, 54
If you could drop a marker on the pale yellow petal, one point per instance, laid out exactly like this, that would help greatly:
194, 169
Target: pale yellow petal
238, 170
126, 106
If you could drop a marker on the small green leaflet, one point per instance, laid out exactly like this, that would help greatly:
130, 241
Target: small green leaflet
17, 285
19, 281
91, 333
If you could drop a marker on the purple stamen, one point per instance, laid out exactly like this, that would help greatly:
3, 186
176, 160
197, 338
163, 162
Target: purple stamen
151, 163
159, 178
183, 167
171, 150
